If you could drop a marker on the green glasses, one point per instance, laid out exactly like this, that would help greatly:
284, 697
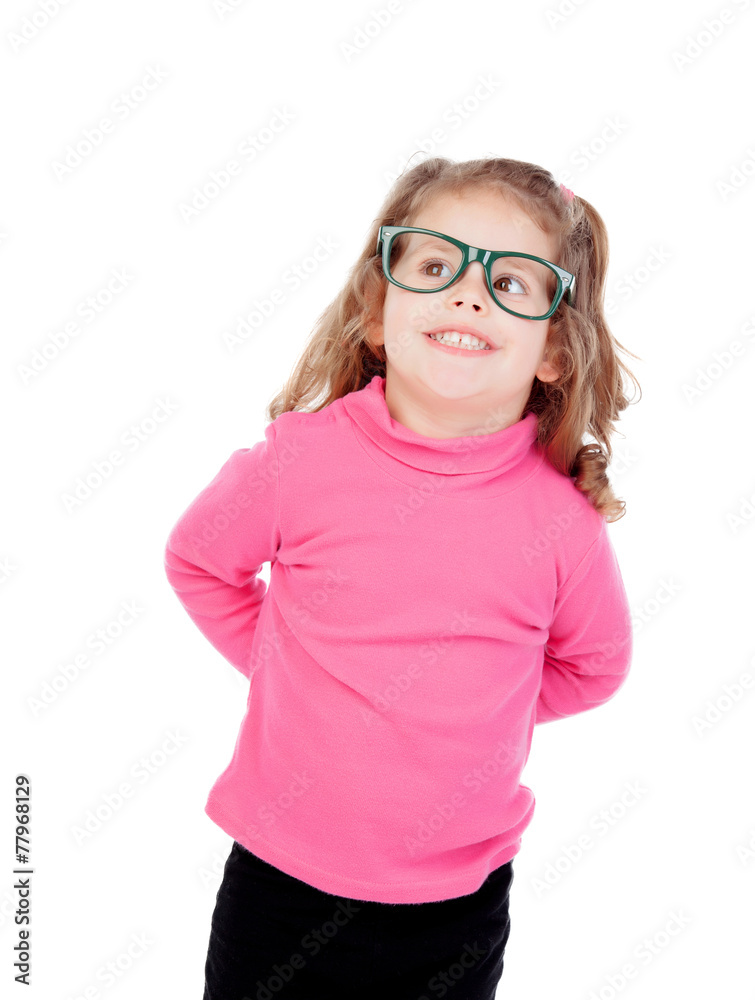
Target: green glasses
421, 260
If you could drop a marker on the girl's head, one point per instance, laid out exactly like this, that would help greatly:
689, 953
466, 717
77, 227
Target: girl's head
477, 391
565, 369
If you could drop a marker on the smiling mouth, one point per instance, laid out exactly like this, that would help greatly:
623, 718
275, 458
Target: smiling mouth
460, 341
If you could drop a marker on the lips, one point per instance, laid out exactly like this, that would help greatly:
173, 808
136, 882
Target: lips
463, 328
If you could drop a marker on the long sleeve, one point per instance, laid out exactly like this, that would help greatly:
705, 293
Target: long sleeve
218, 546
589, 647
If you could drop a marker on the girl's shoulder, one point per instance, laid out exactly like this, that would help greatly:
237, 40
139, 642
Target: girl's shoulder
563, 510
319, 433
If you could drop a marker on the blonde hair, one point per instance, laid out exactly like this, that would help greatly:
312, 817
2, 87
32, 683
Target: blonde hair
587, 396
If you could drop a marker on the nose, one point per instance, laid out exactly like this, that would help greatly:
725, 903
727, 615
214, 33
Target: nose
470, 287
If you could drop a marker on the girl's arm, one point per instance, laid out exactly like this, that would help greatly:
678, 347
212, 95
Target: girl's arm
589, 647
219, 544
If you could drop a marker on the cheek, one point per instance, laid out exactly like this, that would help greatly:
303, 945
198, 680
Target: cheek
424, 312
405, 315
523, 344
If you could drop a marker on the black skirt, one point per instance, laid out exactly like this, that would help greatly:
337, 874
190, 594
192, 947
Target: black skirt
274, 936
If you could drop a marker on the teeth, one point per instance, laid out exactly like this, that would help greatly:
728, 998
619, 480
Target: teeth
465, 340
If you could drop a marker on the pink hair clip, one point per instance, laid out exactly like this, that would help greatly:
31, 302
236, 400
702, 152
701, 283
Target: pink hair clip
567, 194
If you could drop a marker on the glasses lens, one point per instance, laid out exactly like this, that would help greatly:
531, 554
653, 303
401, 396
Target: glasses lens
525, 286
425, 263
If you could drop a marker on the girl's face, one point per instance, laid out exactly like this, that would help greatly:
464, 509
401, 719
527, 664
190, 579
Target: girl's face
441, 393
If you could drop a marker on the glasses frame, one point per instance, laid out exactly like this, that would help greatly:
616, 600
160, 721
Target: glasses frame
566, 281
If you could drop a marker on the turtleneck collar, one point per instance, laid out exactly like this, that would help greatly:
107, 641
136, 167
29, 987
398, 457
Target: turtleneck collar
514, 447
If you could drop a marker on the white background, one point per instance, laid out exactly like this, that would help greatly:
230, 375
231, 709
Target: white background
602, 98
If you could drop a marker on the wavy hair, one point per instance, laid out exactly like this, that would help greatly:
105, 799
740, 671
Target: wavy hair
588, 394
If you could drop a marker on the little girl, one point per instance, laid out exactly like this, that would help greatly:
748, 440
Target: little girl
441, 581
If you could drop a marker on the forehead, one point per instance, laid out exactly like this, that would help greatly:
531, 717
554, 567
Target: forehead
486, 219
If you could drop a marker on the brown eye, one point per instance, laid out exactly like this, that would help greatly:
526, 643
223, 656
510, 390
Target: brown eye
433, 269
507, 279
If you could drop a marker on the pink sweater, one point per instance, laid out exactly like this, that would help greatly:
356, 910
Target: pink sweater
430, 602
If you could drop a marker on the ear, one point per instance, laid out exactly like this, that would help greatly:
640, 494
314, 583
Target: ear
546, 372
375, 333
